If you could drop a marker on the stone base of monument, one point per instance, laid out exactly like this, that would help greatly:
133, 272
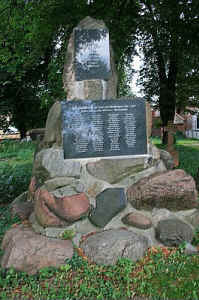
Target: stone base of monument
31, 247
109, 207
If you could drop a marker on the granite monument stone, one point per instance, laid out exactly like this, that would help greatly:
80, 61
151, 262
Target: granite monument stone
92, 54
104, 128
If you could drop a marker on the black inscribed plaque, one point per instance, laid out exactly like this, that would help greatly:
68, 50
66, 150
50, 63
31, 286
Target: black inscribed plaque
92, 54
104, 128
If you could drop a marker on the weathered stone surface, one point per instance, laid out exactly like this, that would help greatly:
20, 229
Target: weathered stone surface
87, 89
32, 189
36, 134
193, 219
156, 168
161, 214
35, 224
107, 246
50, 163
154, 151
174, 190
71, 208
172, 232
59, 182
93, 89
171, 148
190, 249
52, 211
53, 125
80, 227
108, 204
93, 186
44, 215
64, 191
137, 220
27, 251
167, 159
21, 207
114, 170
69, 190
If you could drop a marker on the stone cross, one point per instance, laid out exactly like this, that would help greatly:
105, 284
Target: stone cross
171, 128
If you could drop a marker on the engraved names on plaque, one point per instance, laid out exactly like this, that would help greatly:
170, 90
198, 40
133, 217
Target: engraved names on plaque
104, 128
92, 54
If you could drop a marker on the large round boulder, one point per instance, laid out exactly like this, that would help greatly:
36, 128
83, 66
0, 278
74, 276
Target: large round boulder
28, 251
53, 211
107, 246
175, 190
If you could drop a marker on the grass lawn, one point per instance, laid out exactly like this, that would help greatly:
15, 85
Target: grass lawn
164, 273
188, 154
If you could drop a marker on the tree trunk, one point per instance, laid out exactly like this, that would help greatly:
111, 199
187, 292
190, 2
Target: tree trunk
22, 133
167, 99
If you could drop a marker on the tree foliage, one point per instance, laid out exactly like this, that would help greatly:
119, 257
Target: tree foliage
34, 36
168, 32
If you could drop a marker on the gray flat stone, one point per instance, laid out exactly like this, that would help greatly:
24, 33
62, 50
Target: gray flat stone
58, 182
64, 191
172, 232
167, 159
107, 246
51, 162
108, 204
114, 170
158, 167
193, 218
80, 227
159, 214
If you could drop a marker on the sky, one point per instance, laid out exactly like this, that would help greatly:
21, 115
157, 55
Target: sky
136, 65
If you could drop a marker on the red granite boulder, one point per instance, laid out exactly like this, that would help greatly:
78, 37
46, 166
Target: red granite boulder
43, 214
28, 251
137, 220
174, 190
53, 211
